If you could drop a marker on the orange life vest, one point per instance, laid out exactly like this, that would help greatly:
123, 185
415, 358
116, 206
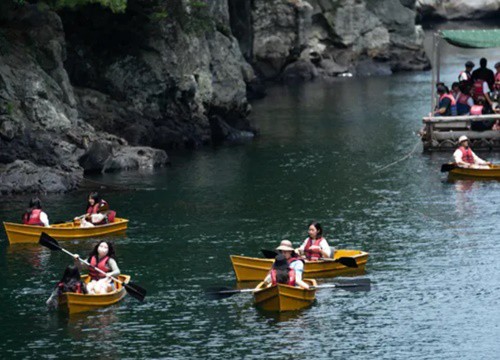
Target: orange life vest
33, 218
467, 155
102, 265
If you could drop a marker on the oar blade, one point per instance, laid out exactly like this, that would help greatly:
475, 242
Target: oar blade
363, 284
347, 261
135, 291
448, 167
269, 254
218, 293
49, 242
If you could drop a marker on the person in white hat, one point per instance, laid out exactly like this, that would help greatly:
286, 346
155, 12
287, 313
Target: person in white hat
294, 261
465, 157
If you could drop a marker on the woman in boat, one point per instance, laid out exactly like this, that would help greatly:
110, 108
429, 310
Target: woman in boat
315, 246
102, 257
34, 214
70, 282
295, 262
97, 212
281, 273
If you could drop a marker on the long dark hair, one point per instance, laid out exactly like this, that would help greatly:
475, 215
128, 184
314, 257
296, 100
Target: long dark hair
111, 250
71, 274
282, 276
318, 227
35, 203
93, 195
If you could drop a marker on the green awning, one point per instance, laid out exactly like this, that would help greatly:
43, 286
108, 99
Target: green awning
478, 39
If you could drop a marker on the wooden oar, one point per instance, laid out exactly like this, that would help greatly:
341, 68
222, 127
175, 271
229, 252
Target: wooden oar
133, 289
448, 167
217, 293
345, 260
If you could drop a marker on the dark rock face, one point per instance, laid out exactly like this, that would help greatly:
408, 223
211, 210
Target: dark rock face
289, 38
458, 9
42, 136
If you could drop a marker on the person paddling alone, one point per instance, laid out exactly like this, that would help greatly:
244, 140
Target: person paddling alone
34, 214
315, 246
465, 157
103, 258
97, 212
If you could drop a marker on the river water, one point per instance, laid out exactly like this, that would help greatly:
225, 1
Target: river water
320, 155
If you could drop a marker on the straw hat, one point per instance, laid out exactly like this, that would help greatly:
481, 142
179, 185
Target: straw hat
280, 262
285, 245
462, 138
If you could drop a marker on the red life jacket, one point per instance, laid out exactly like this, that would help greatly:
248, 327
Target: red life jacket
313, 254
291, 277
94, 209
292, 259
467, 155
497, 81
103, 265
453, 103
477, 92
110, 217
33, 218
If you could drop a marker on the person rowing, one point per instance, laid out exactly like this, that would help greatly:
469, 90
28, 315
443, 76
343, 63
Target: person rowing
282, 273
71, 282
465, 157
97, 212
103, 258
315, 246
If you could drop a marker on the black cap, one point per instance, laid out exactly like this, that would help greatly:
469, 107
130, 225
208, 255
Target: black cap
469, 64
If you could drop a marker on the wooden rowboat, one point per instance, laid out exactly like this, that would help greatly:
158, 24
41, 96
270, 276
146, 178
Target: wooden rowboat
282, 297
493, 172
76, 303
255, 269
20, 233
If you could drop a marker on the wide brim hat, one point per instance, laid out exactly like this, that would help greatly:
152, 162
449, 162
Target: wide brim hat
285, 245
462, 138
280, 262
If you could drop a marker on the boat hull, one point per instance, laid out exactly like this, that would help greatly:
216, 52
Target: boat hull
77, 303
20, 233
256, 269
492, 173
280, 298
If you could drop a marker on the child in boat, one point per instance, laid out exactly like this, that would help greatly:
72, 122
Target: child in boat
34, 214
281, 273
101, 257
70, 282
315, 246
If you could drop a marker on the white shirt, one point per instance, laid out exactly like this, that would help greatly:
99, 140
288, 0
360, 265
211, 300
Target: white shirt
298, 266
44, 219
457, 155
323, 245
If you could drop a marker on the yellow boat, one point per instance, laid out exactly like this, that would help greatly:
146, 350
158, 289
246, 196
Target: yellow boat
282, 297
20, 233
492, 173
76, 303
256, 269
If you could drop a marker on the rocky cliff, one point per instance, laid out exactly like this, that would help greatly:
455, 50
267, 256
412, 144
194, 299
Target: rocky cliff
458, 9
86, 89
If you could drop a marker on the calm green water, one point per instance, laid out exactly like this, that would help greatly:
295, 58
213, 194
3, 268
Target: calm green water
432, 243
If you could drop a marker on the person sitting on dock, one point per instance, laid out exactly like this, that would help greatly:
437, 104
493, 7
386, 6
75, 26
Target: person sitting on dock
315, 246
281, 273
465, 77
447, 105
34, 214
103, 258
464, 101
465, 157
295, 262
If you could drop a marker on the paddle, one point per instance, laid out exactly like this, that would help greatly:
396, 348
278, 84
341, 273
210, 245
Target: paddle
217, 293
448, 167
133, 289
346, 261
